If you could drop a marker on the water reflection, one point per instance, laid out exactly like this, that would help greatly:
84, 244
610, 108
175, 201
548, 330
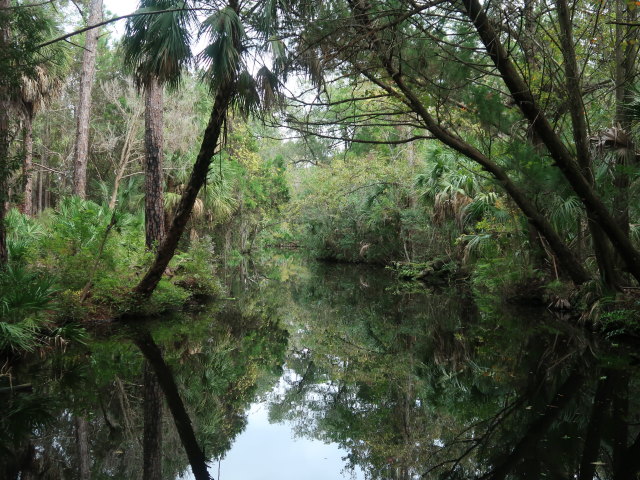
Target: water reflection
409, 384
429, 386
85, 415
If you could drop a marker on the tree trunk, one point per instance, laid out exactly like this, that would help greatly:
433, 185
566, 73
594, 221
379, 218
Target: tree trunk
573, 81
626, 59
570, 265
81, 152
5, 104
198, 176
154, 203
27, 162
82, 442
152, 438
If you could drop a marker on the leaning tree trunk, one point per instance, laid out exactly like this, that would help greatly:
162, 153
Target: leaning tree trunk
569, 263
153, 356
27, 161
565, 161
198, 176
81, 152
154, 204
5, 104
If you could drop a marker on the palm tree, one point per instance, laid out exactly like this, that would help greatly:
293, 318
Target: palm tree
233, 86
157, 51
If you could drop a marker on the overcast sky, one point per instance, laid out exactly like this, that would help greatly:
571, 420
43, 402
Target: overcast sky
120, 7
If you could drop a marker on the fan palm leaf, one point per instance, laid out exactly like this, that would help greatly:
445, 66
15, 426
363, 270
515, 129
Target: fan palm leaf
159, 46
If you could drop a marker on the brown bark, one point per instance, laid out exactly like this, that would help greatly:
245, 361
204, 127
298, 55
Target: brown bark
83, 113
153, 140
152, 438
153, 356
27, 162
82, 442
527, 104
573, 84
198, 176
5, 105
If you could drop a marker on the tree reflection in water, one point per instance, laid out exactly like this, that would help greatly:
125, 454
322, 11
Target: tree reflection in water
211, 369
429, 386
412, 384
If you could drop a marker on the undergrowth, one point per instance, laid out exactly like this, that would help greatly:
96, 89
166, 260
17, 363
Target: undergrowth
67, 265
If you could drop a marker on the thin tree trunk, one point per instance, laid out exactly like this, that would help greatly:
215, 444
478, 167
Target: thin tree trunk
81, 152
5, 104
154, 204
198, 176
557, 149
571, 266
152, 438
27, 162
626, 58
82, 442
124, 159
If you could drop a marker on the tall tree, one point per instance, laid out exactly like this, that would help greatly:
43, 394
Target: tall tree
157, 51
232, 85
83, 111
5, 105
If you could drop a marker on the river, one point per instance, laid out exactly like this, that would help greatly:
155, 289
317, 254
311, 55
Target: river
329, 371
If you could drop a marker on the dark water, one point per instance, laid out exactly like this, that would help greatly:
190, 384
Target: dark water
333, 371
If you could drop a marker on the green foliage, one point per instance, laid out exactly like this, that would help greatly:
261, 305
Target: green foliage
158, 46
25, 297
73, 249
508, 278
195, 271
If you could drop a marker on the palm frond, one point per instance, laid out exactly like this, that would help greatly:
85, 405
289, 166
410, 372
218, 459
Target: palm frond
221, 58
158, 46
